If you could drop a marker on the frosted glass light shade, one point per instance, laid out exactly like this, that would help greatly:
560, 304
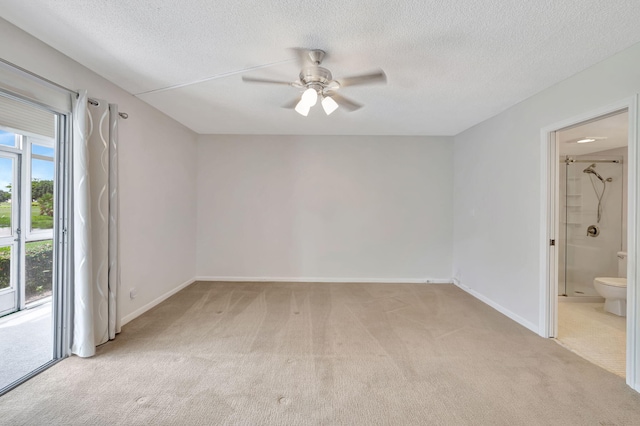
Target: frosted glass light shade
329, 105
302, 108
309, 97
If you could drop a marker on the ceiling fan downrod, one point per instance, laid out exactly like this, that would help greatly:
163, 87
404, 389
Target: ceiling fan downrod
316, 56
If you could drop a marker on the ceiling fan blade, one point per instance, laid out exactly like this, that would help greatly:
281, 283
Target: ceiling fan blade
265, 80
374, 77
344, 102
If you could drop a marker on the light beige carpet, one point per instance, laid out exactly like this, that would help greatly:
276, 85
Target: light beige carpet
594, 334
324, 354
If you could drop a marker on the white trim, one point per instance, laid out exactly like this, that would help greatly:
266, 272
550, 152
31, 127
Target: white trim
548, 298
633, 271
548, 269
515, 317
327, 280
135, 314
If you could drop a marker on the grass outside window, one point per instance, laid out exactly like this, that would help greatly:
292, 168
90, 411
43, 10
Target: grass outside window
38, 221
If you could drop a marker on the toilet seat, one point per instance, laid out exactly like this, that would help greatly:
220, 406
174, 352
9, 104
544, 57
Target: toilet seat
612, 281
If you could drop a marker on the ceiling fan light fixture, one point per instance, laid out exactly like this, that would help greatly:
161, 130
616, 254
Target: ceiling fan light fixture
329, 105
302, 108
309, 97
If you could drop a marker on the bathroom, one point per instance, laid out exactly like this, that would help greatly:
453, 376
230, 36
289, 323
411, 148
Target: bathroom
592, 240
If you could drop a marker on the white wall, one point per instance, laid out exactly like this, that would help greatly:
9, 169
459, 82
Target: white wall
497, 187
157, 176
296, 207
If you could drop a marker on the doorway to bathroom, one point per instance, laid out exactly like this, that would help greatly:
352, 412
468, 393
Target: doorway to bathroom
590, 243
591, 239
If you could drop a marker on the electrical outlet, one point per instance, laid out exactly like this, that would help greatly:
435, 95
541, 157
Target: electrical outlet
133, 292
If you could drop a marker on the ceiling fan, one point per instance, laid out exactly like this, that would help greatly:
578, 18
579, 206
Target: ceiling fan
317, 82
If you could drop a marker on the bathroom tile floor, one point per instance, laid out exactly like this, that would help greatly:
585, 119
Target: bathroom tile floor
592, 333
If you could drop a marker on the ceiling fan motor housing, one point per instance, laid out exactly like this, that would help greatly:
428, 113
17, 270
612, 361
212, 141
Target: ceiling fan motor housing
315, 75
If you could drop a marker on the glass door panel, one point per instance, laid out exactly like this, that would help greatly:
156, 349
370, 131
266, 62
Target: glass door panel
9, 232
41, 196
30, 302
8, 294
38, 276
39, 270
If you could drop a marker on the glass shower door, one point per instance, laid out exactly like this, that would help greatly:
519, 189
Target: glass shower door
591, 215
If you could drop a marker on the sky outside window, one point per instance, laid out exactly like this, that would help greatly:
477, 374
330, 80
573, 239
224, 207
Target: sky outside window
42, 169
7, 138
6, 173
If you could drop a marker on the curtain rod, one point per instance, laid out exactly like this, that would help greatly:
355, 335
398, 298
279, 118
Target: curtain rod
95, 102
33, 75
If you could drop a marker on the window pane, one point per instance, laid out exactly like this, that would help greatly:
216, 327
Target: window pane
41, 190
42, 150
39, 270
6, 177
5, 267
7, 138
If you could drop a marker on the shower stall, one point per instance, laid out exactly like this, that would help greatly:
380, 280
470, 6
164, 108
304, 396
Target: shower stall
591, 221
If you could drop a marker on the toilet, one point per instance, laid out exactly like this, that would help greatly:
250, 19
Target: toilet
614, 289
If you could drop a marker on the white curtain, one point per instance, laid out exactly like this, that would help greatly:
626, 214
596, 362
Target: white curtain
96, 269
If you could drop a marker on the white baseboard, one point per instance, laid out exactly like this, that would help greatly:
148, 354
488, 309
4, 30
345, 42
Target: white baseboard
499, 308
517, 318
328, 280
155, 302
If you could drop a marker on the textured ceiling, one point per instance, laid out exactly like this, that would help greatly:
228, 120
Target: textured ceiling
449, 64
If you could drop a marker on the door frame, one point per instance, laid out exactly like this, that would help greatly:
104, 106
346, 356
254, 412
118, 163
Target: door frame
549, 217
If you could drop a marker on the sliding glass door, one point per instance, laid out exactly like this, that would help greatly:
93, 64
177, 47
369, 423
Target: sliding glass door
31, 306
39, 189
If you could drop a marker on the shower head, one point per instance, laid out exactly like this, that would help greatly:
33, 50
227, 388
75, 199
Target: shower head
589, 170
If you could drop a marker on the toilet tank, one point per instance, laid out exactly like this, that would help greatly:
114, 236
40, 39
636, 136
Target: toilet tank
622, 264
